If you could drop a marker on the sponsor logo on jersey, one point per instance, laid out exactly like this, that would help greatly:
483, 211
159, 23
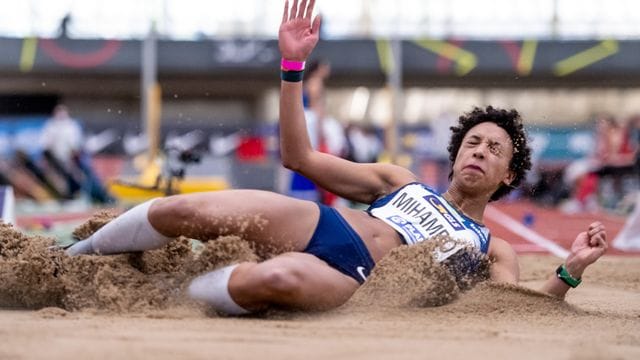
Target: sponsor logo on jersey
408, 228
361, 272
442, 210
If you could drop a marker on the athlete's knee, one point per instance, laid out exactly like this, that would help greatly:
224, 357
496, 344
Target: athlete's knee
165, 212
282, 281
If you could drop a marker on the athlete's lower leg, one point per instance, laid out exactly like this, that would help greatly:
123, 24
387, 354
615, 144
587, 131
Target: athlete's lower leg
129, 232
212, 288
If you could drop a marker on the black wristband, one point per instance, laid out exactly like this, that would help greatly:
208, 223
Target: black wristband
291, 76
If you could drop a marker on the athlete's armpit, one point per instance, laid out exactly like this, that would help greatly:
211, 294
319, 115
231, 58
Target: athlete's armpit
504, 262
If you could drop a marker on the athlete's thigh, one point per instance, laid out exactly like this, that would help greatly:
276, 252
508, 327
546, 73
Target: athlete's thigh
309, 284
265, 218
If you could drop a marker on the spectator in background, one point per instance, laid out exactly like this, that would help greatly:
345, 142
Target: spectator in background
618, 162
62, 143
440, 128
611, 143
61, 140
314, 92
633, 132
63, 30
62, 136
331, 133
624, 142
364, 145
633, 136
629, 237
585, 176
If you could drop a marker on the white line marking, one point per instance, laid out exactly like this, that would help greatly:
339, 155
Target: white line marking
517, 228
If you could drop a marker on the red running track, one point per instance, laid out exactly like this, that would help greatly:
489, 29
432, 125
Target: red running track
549, 223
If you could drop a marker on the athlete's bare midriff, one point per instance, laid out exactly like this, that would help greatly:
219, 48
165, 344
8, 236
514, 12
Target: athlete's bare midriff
379, 237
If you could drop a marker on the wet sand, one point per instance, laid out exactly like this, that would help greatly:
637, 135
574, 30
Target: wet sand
133, 306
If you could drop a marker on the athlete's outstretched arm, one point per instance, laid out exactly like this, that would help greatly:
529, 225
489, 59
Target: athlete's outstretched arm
298, 37
588, 247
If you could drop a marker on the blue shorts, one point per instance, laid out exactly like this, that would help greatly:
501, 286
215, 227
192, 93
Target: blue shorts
335, 242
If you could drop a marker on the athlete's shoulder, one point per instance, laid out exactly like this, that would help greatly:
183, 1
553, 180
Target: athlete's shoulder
426, 187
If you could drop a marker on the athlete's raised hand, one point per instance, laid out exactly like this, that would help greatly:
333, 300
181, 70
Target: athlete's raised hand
298, 35
588, 247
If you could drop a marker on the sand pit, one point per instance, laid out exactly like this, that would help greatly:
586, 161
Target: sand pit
133, 306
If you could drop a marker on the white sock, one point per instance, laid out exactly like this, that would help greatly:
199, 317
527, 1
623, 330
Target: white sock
81, 247
213, 289
129, 232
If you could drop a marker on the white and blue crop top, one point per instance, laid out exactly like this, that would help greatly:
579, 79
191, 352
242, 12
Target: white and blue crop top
418, 213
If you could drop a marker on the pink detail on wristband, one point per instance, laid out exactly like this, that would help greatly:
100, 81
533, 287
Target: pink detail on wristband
290, 65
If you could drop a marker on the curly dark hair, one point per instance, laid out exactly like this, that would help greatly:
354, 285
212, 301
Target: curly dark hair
511, 122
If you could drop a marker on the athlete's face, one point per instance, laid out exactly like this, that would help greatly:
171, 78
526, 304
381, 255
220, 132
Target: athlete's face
482, 163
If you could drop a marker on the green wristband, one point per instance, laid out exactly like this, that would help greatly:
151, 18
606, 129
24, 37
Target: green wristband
291, 76
564, 275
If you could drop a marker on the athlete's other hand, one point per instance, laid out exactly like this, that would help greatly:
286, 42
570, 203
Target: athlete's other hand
588, 247
298, 36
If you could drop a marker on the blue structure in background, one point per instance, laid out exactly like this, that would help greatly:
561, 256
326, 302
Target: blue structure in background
21, 133
561, 144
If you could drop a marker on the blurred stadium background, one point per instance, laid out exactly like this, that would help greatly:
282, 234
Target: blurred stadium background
203, 74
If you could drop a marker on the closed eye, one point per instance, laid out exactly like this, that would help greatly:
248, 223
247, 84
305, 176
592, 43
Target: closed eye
473, 140
495, 149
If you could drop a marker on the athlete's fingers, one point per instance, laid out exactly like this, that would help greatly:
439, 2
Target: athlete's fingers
315, 27
285, 15
601, 241
303, 7
312, 3
294, 10
594, 225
